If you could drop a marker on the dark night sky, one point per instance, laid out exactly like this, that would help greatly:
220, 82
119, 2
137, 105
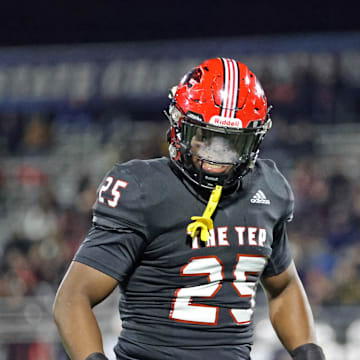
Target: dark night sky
57, 22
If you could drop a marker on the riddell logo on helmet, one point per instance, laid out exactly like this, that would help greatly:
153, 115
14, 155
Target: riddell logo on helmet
225, 121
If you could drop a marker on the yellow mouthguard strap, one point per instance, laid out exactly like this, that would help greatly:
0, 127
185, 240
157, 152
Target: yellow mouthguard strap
204, 223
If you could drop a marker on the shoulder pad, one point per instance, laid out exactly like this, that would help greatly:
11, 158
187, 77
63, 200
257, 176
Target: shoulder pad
119, 203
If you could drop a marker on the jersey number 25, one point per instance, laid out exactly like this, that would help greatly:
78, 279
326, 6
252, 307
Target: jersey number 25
185, 311
113, 201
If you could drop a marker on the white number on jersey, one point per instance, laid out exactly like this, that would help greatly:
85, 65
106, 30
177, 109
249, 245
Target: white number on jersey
185, 311
115, 192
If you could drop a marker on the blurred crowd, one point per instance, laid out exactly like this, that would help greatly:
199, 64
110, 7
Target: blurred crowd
53, 162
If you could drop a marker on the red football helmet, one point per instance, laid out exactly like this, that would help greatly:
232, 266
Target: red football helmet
219, 116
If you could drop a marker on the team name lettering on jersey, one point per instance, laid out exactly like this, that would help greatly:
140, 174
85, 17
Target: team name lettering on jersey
246, 235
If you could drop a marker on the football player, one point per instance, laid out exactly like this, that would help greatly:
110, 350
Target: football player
189, 238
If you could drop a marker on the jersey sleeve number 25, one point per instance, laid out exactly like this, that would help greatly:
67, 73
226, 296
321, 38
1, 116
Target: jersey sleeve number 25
184, 310
113, 201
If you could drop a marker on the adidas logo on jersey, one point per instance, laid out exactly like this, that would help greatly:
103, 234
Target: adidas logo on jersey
260, 198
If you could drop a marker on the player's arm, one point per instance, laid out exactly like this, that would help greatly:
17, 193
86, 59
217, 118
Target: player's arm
81, 289
291, 315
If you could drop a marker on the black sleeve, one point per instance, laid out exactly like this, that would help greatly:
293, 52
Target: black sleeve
119, 232
120, 202
281, 257
110, 251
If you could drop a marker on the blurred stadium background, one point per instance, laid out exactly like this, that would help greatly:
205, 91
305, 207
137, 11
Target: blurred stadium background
68, 112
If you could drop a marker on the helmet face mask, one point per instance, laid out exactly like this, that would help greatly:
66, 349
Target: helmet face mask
219, 116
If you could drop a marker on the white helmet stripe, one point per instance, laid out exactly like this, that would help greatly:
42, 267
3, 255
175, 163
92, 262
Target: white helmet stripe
235, 82
229, 88
231, 84
225, 90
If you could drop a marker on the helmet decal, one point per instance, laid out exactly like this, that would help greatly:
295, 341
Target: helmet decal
192, 77
225, 121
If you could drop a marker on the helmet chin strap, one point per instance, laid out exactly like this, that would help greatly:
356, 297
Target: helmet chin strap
203, 224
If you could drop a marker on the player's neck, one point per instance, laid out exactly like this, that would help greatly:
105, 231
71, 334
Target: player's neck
203, 194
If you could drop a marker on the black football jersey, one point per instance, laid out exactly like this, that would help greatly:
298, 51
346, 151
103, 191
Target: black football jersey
176, 291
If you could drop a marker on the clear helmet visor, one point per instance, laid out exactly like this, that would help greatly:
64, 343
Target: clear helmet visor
219, 145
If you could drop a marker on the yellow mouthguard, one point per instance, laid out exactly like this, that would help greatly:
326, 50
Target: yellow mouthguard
204, 223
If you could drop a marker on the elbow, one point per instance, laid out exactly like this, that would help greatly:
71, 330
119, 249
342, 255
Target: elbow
66, 304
